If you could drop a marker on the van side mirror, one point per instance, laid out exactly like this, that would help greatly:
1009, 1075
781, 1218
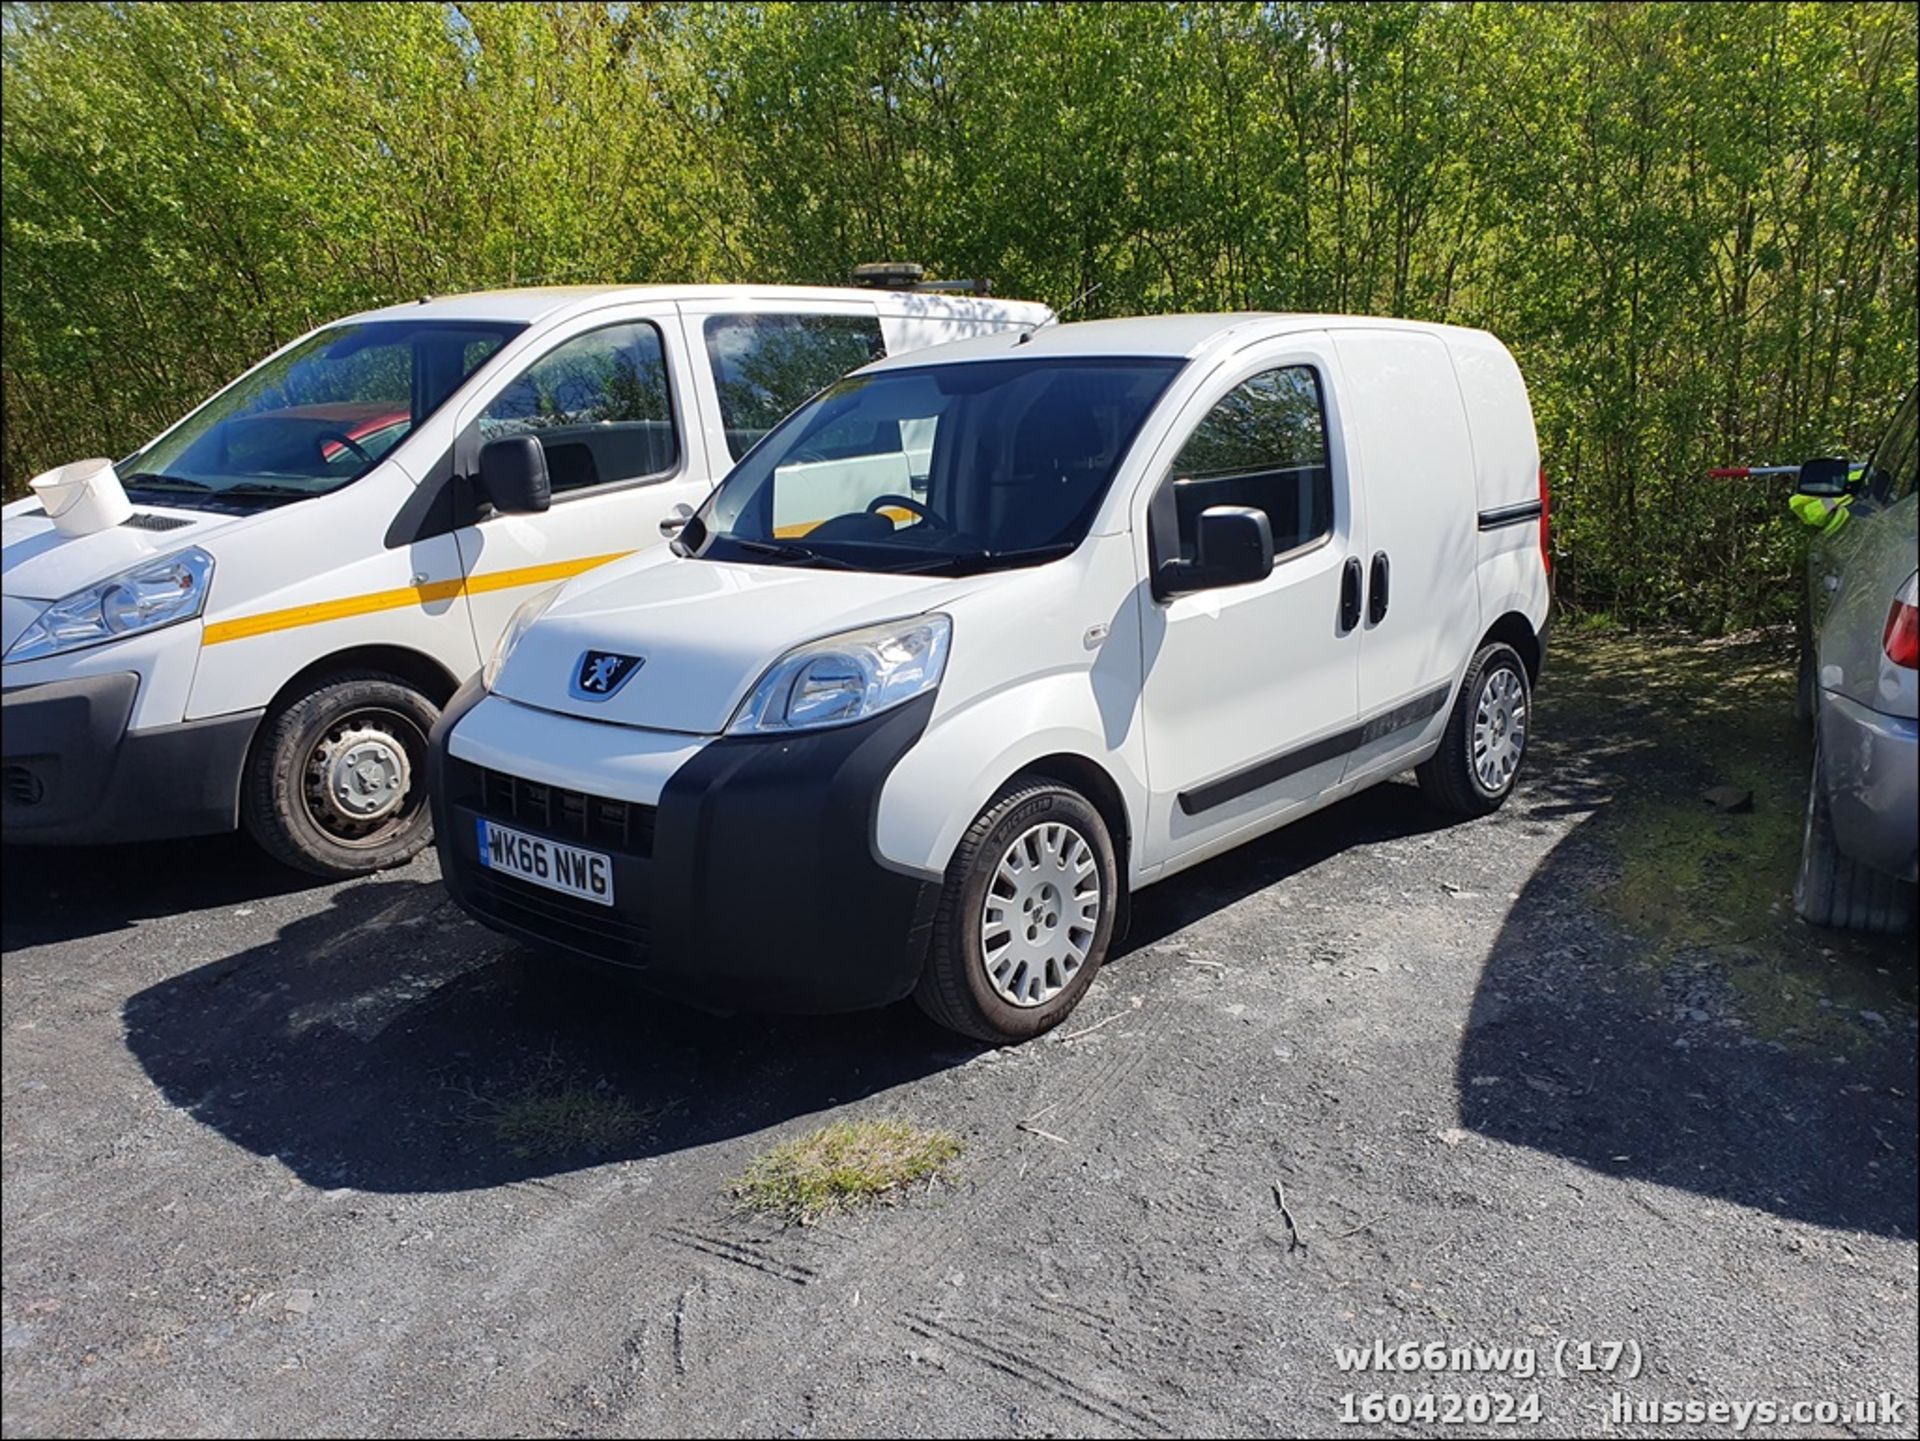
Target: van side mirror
1233, 546
513, 475
1825, 475
675, 520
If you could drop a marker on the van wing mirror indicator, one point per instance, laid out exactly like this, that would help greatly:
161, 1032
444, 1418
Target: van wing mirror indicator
1233, 545
513, 475
1825, 475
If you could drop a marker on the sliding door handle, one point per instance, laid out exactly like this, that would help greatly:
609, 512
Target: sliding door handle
1350, 594
1377, 589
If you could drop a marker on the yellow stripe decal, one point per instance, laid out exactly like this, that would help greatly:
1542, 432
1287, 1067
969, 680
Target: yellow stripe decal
319, 612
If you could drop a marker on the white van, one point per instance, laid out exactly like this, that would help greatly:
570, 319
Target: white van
319, 554
982, 640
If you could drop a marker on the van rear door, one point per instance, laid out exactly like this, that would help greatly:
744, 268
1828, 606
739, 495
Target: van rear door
1415, 535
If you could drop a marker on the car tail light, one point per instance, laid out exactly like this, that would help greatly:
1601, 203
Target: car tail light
1546, 523
1901, 640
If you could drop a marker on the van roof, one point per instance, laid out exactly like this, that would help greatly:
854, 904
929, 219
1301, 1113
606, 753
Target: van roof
1180, 336
540, 302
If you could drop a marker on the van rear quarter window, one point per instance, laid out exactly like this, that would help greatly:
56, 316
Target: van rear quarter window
765, 365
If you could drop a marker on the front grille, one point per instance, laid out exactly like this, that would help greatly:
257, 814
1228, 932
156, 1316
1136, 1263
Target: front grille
564, 814
21, 786
621, 937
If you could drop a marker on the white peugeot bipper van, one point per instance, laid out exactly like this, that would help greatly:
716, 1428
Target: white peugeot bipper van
316, 557
981, 640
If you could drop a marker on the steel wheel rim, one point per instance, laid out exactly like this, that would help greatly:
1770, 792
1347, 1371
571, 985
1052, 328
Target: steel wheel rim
1040, 915
361, 781
1499, 729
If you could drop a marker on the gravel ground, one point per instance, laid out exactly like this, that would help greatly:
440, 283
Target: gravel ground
302, 1160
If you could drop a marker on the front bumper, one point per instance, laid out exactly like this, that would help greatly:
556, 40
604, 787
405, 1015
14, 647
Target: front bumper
72, 773
752, 885
1872, 775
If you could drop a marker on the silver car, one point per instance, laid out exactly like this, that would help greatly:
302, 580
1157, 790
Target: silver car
1857, 864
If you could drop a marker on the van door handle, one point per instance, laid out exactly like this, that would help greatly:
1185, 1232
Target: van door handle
1377, 589
1350, 594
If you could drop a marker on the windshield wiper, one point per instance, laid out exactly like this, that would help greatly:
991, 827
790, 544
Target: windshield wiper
786, 550
147, 480
268, 492
969, 561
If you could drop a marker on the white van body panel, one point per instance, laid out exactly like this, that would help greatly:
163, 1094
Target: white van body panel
1045, 662
1417, 462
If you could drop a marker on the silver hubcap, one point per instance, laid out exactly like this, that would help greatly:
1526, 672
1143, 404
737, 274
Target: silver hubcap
364, 774
1499, 729
1041, 912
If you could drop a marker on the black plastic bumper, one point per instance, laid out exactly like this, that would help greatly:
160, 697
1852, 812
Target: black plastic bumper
752, 886
72, 773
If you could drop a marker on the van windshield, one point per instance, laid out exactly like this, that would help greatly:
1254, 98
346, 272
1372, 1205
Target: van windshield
315, 418
974, 465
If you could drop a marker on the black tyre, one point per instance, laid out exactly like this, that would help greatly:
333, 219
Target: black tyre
337, 782
1836, 891
1025, 917
1473, 772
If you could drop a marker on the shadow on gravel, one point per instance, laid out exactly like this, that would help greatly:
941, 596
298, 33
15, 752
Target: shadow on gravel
1650, 1009
1571, 1051
390, 1045
65, 893
1386, 812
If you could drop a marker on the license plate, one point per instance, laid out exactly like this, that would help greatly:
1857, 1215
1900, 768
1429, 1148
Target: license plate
568, 869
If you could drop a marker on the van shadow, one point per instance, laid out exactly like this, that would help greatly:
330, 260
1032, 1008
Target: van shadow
390, 1045
64, 893
1583, 1044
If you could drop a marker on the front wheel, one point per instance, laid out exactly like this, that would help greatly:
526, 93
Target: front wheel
337, 784
1473, 772
1025, 916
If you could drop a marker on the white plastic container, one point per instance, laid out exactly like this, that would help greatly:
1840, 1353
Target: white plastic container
82, 497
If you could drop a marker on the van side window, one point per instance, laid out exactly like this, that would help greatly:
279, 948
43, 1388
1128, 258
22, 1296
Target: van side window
1264, 445
598, 404
764, 366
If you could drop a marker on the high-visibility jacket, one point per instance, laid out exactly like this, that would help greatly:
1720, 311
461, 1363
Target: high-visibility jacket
1824, 513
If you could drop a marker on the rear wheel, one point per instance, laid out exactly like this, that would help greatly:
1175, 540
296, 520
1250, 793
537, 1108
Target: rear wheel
1025, 916
337, 784
1836, 891
1473, 772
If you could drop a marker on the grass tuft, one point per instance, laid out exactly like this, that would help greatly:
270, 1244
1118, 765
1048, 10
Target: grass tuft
544, 1121
842, 1166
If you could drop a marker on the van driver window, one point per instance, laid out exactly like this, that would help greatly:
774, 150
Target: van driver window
599, 406
1263, 445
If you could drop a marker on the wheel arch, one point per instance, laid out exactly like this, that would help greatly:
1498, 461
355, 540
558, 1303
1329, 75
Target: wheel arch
1516, 630
418, 669
1087, 776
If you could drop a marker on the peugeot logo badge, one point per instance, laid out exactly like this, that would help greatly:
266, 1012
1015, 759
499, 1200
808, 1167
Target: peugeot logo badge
602, 672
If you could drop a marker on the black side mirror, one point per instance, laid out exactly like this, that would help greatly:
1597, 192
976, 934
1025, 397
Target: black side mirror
675, 520
1825, 475
513, 475
1233, 546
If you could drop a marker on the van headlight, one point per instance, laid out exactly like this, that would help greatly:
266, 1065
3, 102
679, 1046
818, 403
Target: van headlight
847, 677
152, 594
518, 626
